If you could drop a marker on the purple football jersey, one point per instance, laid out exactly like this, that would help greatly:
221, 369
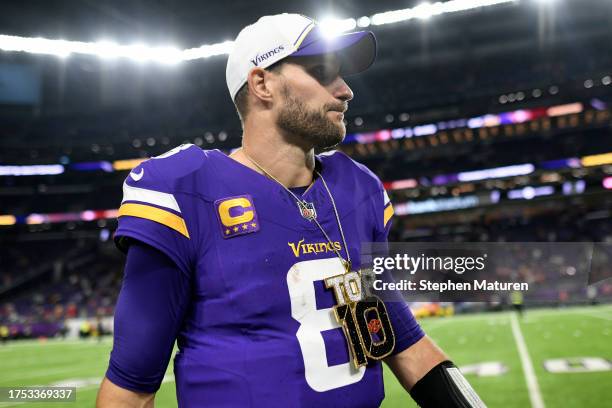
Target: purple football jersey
260, 330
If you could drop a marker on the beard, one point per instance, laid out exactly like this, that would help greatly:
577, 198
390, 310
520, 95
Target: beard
310, 127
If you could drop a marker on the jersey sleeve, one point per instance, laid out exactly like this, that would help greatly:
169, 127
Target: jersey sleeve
158, 210
153, 300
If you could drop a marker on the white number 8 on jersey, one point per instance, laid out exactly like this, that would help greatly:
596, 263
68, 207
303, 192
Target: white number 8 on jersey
300, 280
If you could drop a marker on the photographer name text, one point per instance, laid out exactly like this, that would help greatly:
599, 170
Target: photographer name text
429, 286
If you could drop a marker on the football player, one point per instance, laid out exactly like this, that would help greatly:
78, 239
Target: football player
235, 257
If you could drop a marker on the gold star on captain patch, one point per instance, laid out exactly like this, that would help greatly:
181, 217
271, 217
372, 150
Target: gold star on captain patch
244, 226
235, 229
253, 225
227, 231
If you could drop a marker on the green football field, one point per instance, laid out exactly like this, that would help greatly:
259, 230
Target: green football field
549, 358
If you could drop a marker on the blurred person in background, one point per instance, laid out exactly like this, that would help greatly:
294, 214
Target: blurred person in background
4, 334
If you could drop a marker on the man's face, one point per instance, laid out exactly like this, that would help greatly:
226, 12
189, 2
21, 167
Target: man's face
313, 100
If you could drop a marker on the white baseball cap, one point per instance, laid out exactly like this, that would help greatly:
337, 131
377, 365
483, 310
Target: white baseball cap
273, 38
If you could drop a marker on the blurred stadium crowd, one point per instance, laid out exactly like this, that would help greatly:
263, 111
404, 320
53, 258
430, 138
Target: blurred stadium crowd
490, 125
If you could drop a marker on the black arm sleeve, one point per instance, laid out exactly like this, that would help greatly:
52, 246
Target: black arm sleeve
445, 387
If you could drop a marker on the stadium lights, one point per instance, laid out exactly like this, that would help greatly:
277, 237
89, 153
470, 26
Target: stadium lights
499, 172
207, 51
174, 55
425, 130
364, 21
402, 184
129, 164
562, 110
596, 160
529, 192
136, 52
102, 49
35, 170
436, 205
331, 27
427, 10
8, 220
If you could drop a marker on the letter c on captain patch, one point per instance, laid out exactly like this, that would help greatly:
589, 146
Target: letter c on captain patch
237, 215
242, 206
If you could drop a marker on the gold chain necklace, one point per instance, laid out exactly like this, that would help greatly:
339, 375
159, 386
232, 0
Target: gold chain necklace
308, 209
351, 308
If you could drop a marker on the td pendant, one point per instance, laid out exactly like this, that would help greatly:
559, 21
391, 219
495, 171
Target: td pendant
307, 210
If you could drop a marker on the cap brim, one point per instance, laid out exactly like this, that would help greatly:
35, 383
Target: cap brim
357, 51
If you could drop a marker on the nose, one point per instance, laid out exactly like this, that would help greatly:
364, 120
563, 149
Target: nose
341, 90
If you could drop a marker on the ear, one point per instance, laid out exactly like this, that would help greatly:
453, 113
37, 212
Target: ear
261, 84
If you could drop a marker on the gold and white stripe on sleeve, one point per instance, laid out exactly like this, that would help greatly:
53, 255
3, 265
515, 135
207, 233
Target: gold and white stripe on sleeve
137, 203
388, 213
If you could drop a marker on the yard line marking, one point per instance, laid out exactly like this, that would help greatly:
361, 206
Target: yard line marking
530, 378
93, 382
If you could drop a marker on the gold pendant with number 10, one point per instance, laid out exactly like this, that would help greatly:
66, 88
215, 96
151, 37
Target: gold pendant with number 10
352, 312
